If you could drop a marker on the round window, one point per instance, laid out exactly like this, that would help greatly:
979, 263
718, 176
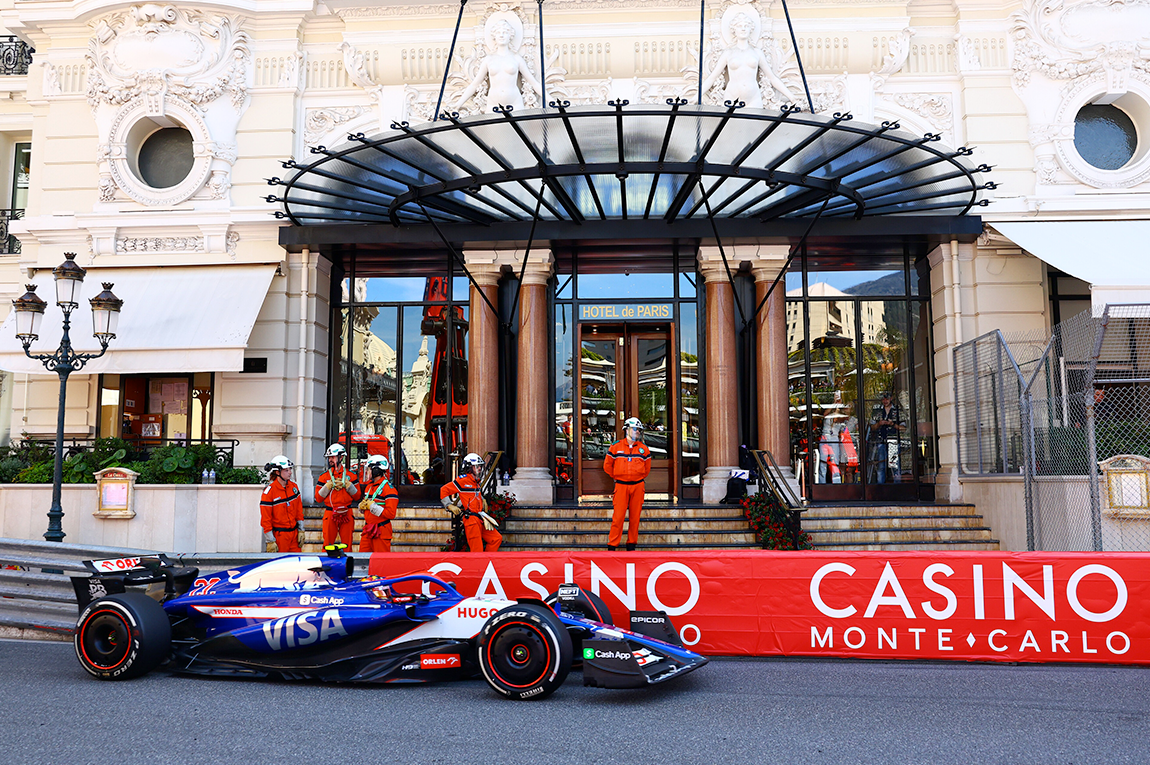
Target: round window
1105, 136
166, 157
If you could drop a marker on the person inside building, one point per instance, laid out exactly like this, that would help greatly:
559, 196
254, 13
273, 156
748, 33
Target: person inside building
338, 491
628, 462
379, 505
464, 497
281, 508
885, 427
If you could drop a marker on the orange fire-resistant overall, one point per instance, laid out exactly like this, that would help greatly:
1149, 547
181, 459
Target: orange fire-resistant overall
376, 534
281, 509
479, 538
337, 519
629, 465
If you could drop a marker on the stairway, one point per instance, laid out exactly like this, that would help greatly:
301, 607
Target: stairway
425, 528
907, 527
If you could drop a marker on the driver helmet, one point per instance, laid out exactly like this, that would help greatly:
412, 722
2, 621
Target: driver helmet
278, 463
335, 450
472, 461
378, 464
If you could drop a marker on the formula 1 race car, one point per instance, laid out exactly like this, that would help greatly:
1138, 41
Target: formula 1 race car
304, 616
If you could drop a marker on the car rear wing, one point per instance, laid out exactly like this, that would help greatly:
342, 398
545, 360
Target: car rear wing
112, 576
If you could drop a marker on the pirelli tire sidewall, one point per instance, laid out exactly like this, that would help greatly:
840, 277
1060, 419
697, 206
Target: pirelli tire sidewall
148, 630
544, 627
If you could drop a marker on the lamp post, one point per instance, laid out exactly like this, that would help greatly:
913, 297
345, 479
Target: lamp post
29, 314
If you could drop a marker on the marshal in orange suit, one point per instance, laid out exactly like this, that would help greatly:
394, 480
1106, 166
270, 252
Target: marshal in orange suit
629, 463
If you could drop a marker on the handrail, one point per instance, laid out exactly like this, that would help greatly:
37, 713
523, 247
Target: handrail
771, 471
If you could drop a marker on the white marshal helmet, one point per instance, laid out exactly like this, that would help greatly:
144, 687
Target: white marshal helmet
378, 461
279, 462
335, 450
633, 422
472, 460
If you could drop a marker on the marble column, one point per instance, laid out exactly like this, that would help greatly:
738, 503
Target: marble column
531, 483
771, 363
483, 356
721, 382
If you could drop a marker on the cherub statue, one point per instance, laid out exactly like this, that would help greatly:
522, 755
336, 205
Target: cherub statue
502, 67
743, 60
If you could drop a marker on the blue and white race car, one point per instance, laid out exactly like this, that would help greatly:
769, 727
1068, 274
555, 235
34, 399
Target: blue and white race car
304, 616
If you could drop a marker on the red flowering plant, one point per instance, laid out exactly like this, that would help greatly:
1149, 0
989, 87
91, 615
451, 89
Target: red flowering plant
499, 507
775, 527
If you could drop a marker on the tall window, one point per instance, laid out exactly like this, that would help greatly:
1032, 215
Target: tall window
21, 167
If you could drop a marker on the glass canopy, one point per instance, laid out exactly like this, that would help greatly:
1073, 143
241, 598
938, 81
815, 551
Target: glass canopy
624, 162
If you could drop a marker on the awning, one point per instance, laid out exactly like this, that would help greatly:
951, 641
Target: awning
641, 162
1103, 253
173, 320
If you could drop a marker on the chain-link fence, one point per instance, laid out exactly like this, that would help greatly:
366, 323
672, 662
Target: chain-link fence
1060, 409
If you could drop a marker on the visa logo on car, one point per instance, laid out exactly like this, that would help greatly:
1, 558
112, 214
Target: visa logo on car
299, 630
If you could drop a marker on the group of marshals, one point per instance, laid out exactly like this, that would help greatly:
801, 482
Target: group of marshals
628, 462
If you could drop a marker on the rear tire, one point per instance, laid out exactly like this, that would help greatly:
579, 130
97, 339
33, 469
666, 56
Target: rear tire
524, 652
122, 636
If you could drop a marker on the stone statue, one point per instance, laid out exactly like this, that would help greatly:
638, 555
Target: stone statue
743, 60
502, 67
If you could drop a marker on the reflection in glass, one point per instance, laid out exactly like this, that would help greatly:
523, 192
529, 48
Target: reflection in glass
687, 286
797, 388
565, 287
925, 446
373, 381
689, 391
652, 355
564, 395
599, 388
418, 350
834, 398
876, 275
598, 286
402, 289
886, 388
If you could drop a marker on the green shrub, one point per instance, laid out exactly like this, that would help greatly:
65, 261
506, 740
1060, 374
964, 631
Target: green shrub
239, 475
170, 464
10, 467
41, 472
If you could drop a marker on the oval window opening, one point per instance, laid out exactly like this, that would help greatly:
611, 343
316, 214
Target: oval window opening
1105, 136
166, 157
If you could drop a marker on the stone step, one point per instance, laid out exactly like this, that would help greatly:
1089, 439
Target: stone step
895, 546
888, 535
605, 511
891, 521
577, 539
881, 511
692, 525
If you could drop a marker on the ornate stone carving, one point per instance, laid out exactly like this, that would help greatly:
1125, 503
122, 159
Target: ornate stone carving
169, 65
934, 107
748, 73
51, 85
968, 60
502, 67
319, 122
161, 244
898, 50
290, 74
231, 242
1069, 53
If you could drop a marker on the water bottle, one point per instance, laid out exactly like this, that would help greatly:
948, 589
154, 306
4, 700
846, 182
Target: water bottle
212, 476
204, 478
506, 478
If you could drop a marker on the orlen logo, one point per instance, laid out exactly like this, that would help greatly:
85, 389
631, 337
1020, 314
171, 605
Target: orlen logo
471, 612
439, 661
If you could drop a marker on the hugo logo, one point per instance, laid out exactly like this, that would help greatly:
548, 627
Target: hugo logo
472, 612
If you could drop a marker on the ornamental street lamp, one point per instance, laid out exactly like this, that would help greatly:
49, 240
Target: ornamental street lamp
29, 314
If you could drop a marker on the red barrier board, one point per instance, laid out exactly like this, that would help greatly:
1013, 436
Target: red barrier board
1079, 607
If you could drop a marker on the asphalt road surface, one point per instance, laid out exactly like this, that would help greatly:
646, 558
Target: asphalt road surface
730, 711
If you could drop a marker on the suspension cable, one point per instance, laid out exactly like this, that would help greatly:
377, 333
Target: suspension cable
450, 54
542, 64
702, 26
802, 72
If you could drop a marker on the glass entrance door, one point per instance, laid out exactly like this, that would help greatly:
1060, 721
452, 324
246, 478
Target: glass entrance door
625, 371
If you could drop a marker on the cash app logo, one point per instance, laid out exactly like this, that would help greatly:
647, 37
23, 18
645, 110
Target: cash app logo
588, 653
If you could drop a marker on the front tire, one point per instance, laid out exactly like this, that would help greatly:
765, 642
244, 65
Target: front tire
122, 636
524, 652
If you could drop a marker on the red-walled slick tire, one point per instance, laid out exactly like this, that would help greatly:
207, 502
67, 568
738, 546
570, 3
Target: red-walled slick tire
122, 636
524, 652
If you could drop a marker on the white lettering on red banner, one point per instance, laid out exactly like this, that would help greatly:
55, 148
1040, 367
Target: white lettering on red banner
932, 605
